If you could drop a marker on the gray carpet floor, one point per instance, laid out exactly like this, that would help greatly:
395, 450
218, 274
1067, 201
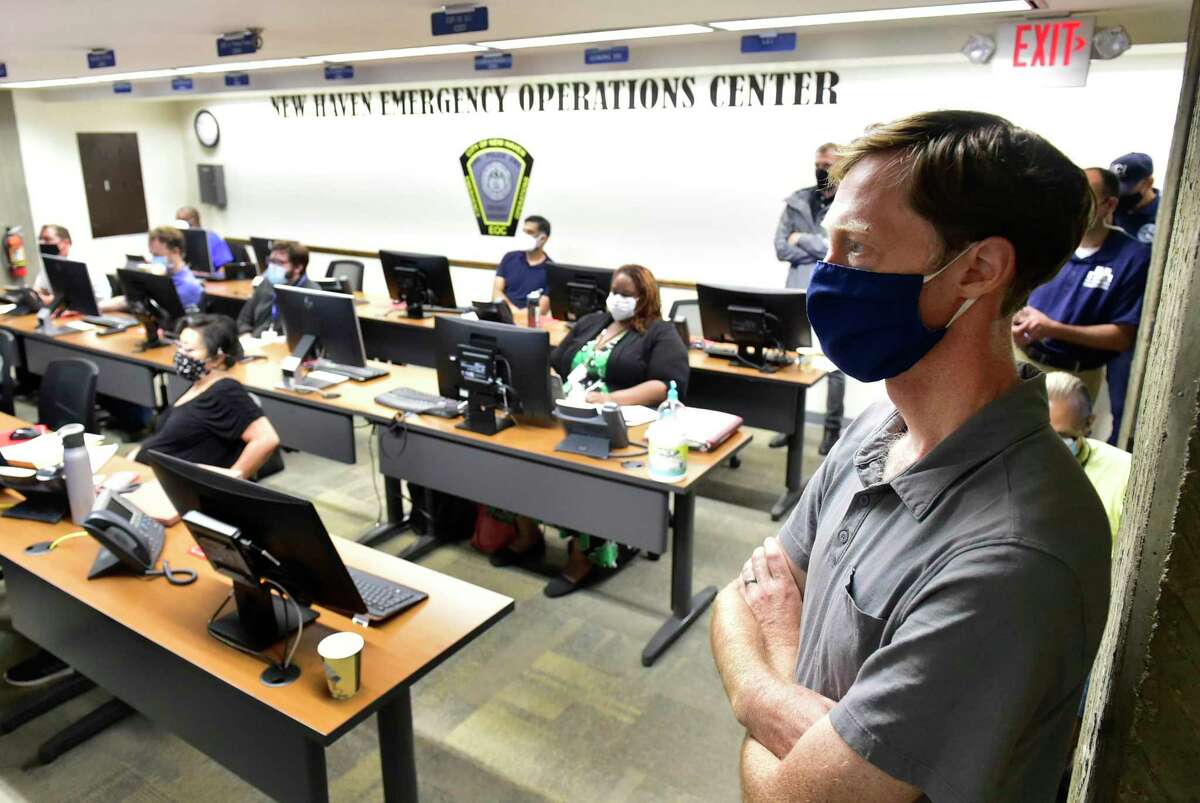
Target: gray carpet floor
550, 704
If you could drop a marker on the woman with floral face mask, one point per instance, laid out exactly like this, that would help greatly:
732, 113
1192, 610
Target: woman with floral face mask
215, 422
625, 354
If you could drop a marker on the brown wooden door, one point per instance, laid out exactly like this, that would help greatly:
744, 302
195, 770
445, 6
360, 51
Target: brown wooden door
112, 179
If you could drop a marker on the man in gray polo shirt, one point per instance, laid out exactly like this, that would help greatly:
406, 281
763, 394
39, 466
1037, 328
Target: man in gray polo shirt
924, 624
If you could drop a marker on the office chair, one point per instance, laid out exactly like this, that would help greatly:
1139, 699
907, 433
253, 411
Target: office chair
114, 284
349, 271
68, 394
240, 254
8, 371
688, 310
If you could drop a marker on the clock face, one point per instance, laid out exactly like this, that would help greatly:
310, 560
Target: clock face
207, 130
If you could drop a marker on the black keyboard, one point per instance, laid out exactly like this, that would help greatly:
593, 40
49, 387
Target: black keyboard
416, 401
352, 371
384, 598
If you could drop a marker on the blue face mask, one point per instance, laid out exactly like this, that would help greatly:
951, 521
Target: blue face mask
1072, 444
275, 273
869, 323
160, 260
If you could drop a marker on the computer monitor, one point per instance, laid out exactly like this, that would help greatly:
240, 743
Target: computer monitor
756, 319
420, 281
494, 365
71, 285
576, 290
195, 250
262, 251
315, 320
279, 539
153, 300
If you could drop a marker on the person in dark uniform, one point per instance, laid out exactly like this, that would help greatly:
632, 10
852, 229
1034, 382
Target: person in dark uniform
800, 241
1136, 214
625, 354
1088, 313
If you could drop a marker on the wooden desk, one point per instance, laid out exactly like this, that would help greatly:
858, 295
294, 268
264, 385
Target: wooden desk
145, 641
124, 372
517, 469
227, 297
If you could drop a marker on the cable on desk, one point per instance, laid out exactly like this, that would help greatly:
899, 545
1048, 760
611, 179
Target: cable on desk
78, 534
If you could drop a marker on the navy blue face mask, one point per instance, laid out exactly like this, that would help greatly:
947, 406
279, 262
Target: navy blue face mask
869, 323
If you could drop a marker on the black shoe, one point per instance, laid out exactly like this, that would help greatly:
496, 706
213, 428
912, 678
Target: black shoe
831, 437
562, 585
508, 557
779, 441
39, 669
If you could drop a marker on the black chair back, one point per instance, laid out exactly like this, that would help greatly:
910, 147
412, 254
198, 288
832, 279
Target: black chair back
688, 310
349, 271
240, 254
68, 394
8, 371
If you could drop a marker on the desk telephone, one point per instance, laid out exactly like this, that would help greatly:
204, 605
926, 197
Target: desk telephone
130, 538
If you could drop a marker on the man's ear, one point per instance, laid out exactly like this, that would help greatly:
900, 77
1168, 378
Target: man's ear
992, 265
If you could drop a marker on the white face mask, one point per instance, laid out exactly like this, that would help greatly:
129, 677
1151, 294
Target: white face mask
528, 242
621, 307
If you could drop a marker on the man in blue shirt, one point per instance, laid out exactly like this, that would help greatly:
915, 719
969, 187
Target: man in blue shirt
1089, 312
218, 249
1136, 213
521, 272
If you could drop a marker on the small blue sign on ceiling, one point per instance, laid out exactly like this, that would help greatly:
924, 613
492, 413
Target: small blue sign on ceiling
446, 23
122, 87
181, 84
237, 79
768, 43
238, 44
338, 72
98, 59
3, 70
619, 54
493, 61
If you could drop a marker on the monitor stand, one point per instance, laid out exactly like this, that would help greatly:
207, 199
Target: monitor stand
44, 315
261, 619
481, 415
153, 340
754, 356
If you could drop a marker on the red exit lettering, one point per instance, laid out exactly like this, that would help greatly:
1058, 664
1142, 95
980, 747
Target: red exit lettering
1052, 43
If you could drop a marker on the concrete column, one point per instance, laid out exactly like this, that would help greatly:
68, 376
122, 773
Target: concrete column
14, 198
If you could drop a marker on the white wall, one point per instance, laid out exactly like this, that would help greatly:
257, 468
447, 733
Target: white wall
50, 154
693, 194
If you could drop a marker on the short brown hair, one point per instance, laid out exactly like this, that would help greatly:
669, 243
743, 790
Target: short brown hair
59, 231
974, 175
169, 236
649, 306
297, 254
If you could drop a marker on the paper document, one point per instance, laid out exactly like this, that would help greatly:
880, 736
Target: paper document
325, 377
46, 450
7, 308
636, 414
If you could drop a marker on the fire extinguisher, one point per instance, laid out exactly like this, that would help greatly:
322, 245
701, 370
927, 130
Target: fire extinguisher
14, 253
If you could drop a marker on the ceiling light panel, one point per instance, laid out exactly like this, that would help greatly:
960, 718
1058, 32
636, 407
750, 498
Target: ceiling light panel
598, 36
876, 15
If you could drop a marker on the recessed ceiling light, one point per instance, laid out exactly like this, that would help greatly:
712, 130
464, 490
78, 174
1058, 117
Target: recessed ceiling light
246, 66
877, 15
598, 36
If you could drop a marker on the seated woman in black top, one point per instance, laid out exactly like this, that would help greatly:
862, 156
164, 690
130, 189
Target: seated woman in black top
215, 422
629, 355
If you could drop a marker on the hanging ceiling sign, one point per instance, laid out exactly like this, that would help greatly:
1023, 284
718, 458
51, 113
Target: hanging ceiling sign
1055, 52
445, 23
497, 175
100, 58
618, 54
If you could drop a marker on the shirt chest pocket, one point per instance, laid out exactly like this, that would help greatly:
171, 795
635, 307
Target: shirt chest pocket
852, 634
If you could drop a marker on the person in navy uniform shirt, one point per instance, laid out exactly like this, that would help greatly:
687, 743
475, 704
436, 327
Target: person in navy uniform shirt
1136, 213
1138, 204
1089, 312
521, 272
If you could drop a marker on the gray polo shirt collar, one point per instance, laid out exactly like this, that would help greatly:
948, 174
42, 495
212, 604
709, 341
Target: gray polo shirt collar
1017, 414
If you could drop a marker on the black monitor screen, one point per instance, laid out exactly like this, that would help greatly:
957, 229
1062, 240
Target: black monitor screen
520, 358
576, 290
328, 317
196, 250
70, 281
752, 314
405, 272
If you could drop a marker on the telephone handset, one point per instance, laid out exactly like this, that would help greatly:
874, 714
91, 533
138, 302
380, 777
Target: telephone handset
130, 538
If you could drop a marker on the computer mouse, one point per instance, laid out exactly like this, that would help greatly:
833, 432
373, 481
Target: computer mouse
331, 395
24, 433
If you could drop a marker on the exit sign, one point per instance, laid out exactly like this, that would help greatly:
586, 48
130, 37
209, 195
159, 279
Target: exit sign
1050, 52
